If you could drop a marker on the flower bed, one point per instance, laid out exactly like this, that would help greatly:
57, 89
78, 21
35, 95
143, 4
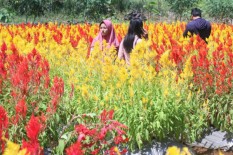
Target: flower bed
175, 87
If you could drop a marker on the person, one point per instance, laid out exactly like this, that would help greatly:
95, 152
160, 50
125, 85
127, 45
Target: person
107, 33
198, 25
134, 35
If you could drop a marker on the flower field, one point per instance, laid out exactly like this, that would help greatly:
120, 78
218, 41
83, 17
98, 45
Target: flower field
54, 95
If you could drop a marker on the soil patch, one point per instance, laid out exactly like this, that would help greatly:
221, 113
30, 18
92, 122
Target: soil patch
205, 151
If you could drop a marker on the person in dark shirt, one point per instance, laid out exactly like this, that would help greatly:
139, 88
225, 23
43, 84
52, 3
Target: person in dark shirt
198, 25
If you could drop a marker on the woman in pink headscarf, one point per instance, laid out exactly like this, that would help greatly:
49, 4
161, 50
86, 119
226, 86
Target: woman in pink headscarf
106, 33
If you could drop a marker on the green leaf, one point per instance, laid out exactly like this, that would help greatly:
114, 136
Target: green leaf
139, 141
225, 108
92, 115
57, 117
158, 124
231, 112
61, 146
147, 134
43, 107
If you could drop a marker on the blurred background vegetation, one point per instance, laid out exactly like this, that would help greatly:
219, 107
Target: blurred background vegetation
77, 11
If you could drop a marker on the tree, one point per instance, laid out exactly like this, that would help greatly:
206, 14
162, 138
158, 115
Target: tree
95, 9
152, 8
55, 6
179, 7
121, 5
221, 10
28, 8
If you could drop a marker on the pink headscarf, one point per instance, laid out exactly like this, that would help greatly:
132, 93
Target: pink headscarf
110, 38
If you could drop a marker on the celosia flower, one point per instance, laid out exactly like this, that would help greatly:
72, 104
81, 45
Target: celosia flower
83, 129
3, 125
75, 149
33, 128
21, 108
95, 152
32, 147
3, 48
3, 119
106, 115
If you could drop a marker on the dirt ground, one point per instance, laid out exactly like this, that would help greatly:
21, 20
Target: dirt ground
204, 151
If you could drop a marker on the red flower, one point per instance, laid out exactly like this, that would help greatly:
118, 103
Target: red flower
106, 115
103, 133
3, 47
33, 148
3, 126
119, 139
29, 37
3, 120
83, 129
33, 128
74, 42
75, 149
58, 37
21, 108
57, 88
124, 151
36, 38
96, 151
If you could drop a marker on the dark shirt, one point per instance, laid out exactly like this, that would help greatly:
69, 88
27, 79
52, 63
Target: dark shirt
199, 27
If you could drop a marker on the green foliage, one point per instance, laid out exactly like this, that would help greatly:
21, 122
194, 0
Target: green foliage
55, 5
97, 8
179, 7
221, 113
120, 5
5, 15
219, 9
151, 7
33, 8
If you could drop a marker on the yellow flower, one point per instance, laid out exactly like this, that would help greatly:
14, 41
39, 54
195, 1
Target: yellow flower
102, 103
119, 84
144, 100
165, 93
103, 84
96, 98
117, 150
131, 92
189, 95
84, 91
185, 151
115, 108
191, 85
205, 105
23, 152
178, 94
187, 69
173, 150
13, 149
106, 98
164, 60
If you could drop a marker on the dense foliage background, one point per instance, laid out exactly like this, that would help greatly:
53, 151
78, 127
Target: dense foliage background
74, 11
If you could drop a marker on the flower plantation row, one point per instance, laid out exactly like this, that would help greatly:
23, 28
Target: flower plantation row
175, 87
28, 103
